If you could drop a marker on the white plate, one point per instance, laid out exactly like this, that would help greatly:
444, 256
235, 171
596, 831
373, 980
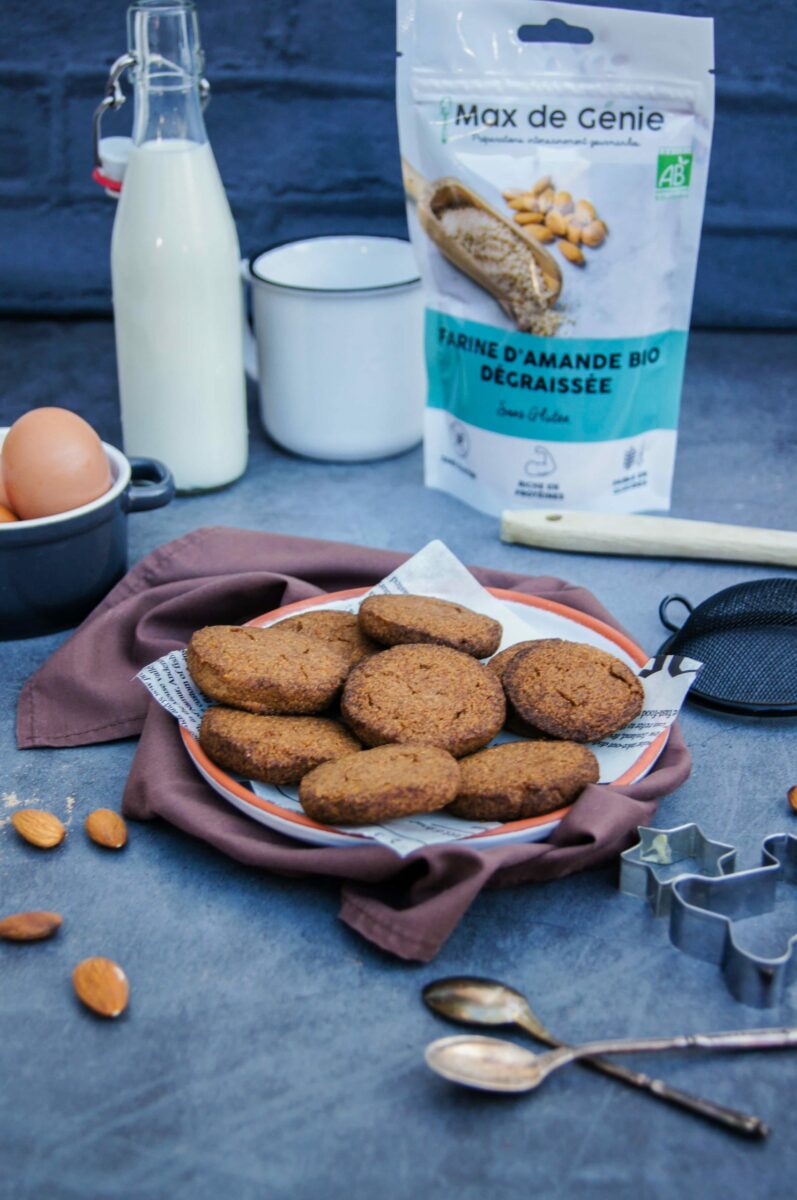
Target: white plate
279, 808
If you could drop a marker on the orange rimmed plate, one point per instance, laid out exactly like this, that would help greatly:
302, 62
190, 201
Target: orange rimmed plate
278, 808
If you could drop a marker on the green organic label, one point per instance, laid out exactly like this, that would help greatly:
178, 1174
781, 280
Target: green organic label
673, 171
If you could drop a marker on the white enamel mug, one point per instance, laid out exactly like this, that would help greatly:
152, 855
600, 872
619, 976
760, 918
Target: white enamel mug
340, 361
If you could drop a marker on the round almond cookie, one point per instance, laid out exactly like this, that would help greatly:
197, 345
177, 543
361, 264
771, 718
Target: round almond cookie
340, 630
573, 691
265, 670
430, 695
379, 785
272, 749
403, 620
522, 779
498, 663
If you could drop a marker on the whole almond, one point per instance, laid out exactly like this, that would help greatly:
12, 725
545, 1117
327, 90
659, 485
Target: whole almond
792, 797
38, 827
572, 253
585, 212
529, 218
29, 926
102, 986
540, 233
542, 185
106, 828
524, 203
563, 201
593, 234
573, 232
556, 222
545, 199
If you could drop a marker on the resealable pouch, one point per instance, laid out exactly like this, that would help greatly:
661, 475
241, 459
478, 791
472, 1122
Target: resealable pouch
555, 160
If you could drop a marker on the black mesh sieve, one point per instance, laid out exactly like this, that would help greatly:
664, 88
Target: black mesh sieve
746, 636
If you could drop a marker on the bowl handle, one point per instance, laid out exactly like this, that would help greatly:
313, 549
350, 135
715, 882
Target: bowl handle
151, 485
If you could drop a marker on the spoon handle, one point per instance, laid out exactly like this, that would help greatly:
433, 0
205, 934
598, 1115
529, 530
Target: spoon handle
740, 1039
744, 1124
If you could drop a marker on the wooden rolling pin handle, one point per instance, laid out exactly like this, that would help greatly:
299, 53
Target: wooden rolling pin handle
658, 537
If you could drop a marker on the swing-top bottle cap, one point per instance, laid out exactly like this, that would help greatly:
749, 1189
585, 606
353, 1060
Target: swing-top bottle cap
114, 153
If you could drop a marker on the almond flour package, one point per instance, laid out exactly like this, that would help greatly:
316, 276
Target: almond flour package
555, 160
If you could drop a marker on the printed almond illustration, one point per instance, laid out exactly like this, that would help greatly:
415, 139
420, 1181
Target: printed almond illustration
554, 216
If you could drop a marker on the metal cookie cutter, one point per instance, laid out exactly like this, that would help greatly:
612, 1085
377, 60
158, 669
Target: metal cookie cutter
704, 911
663, 856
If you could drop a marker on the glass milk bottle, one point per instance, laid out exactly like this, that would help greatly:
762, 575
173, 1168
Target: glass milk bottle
175, 267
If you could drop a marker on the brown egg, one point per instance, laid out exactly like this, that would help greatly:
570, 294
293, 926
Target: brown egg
4, 500
52, 461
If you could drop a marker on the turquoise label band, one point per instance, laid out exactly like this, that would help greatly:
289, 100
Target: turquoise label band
556, 389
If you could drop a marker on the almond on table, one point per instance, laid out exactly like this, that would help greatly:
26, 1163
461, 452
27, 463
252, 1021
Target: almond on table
39, 828
106, 828
29, 926
102, 986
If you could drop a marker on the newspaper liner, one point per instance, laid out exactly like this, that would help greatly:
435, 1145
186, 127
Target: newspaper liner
435, 571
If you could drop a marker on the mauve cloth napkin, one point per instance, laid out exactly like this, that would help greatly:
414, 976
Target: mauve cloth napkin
86, 693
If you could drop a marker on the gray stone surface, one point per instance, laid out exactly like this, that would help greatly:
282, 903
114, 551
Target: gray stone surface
268, 1051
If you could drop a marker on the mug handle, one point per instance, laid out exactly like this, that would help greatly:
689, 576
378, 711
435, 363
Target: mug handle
151, 485
250, 344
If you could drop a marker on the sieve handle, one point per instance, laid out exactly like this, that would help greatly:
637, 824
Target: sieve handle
656, 537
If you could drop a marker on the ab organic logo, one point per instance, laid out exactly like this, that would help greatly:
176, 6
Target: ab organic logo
673, 171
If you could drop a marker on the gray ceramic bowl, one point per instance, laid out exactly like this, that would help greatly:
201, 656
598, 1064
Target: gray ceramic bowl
53, 570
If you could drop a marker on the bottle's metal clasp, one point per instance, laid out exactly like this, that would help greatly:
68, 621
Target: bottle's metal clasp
114, 98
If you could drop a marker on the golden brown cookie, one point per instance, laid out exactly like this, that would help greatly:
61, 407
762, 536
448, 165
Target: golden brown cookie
430, 695
498, 663
379, 785
272, 749
340, 630
403, 620
522, 779
265, 670
573, 691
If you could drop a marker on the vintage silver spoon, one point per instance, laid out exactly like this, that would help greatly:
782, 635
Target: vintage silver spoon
474, 1001
493, 1065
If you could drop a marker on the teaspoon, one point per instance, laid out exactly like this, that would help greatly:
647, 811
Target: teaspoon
493, 1065
472, 1000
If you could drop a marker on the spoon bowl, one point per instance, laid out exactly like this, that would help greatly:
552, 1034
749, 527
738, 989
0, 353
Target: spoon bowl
488, 1064
472, 1000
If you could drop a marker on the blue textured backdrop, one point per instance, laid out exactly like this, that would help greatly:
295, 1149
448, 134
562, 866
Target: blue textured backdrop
303, 126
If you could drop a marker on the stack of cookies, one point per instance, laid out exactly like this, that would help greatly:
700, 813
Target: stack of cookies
387, 712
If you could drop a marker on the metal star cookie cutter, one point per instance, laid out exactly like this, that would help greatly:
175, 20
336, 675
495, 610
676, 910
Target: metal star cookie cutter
704, 911
663, 856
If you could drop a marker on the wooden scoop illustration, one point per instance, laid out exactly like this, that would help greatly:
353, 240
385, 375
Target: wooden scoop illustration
484, 244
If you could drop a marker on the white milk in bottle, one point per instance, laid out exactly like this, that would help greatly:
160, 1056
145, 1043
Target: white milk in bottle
175, 269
